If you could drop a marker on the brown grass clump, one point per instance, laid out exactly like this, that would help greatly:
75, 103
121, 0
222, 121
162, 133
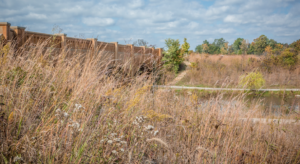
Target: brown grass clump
215, 70
65, 109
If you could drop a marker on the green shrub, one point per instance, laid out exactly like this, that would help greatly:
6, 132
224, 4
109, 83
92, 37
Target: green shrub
288, 58
172, 57
253, 80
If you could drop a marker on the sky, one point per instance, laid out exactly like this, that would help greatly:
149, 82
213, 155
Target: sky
126, 21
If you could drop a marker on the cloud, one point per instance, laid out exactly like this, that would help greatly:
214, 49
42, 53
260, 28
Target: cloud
157, 20
94, 21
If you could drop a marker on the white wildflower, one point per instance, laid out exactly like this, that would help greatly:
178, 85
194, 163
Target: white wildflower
118, 144
114, 152
17, 158
102, 141
66, 114
58, 110
113, 134
155, 132
76, 125
122, 150
109, 141
123, 142
117, 139
149, 127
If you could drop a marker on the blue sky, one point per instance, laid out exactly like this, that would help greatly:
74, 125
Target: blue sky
157, 20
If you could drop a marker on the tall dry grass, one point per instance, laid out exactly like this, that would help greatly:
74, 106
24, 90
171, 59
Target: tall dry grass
215, 70
58, 109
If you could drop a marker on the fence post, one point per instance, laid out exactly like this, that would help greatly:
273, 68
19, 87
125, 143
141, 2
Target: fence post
5, 29
159, 55
20, 31
63, 43
132, 59
116, 52
94, 45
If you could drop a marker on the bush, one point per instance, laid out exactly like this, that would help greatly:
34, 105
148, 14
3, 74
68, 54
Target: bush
253, 80
288, 58
172, 57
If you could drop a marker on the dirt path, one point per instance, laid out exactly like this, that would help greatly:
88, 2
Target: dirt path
181, 75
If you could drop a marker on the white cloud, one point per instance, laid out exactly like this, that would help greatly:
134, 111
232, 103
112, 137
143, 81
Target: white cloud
156, 20
94, 21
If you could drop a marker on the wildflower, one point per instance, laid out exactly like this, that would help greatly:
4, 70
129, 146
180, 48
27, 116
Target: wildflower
123, 142
122, 150
109, 141
149, 127
17, 158
155, 132
66, 114
76, 125
114, 152
58, 110
117, 139
102, 141
118, 144
113, 134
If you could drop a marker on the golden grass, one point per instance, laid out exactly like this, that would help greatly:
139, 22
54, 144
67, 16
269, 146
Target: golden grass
216, 70
58, 109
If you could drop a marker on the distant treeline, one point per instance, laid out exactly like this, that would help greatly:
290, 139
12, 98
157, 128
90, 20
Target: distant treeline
259, 46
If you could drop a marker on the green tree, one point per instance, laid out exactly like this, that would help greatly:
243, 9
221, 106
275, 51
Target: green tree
251, 48
296, 45
260, 44
172, 56
236, 45
198, 49
185, 47
272, 43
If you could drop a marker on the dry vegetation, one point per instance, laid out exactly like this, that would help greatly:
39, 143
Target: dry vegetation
210, 70
58, 109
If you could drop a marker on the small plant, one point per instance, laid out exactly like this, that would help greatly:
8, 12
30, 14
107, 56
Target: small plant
253, 80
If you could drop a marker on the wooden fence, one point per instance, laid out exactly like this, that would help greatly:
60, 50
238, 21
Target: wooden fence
114, 51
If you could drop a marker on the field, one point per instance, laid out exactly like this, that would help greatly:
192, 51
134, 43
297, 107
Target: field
58, 109
218, 70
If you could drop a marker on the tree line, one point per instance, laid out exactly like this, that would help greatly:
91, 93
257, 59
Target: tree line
241, 46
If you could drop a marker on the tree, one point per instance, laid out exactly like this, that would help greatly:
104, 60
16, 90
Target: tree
260, 44
236, 45
205, 48
268, 50
172, 56
224, 48
142, 42
244, 46
251, 48
272, 43
296, 45
198, 49
185, 47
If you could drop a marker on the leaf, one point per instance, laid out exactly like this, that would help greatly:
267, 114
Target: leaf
11, 118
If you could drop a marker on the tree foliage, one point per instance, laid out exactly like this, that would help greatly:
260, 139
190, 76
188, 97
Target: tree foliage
185, 47
260, 44
172, 56
253, 80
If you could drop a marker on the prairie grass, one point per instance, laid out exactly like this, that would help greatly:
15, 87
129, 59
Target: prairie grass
215, 70
58, 108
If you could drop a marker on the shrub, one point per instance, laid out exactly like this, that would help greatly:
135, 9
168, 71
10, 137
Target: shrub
288, 58
172, 57
253, 80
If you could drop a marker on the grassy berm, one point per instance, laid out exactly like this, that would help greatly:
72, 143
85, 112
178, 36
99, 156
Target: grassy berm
58, 108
